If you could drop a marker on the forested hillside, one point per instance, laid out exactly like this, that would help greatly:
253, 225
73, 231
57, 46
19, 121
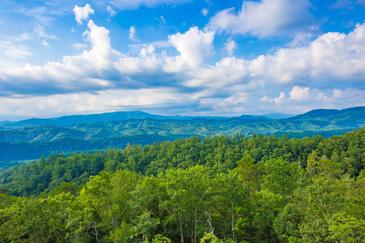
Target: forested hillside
217, 189
32, 139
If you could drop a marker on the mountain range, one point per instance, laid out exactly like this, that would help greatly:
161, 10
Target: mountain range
33, 138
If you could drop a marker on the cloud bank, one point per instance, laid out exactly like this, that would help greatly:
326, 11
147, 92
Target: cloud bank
186, 76
264, 18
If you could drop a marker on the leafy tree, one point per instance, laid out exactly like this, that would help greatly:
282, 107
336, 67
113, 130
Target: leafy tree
344, 228
218, 189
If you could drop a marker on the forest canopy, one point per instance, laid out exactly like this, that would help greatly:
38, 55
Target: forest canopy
217, 189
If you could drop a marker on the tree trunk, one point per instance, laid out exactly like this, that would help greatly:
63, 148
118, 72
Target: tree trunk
96, 234
232, 222
195, 223
181, 228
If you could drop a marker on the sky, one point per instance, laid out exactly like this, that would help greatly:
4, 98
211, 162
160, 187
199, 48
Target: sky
180, 57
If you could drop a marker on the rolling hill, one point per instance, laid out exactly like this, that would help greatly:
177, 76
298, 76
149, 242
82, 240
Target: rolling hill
33, 138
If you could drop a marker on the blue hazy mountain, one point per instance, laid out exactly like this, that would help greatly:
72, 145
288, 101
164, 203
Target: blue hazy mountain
82, 119
33, 138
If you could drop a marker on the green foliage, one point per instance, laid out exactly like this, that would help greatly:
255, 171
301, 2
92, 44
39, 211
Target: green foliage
257, 189
161, 239
345, 228
31, 139
210, 238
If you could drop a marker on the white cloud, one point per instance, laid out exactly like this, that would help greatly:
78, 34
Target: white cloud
74, 73
162, 20
264, 18
146, 62
291, 79
316, 98
193, 46
82, 13
13, 50
111, 11
42, 33
133, 34
205, 12
44, 43
25, 36
279, 100
79, 46
300, 93
332, 57
230, 47
101, 101
46, 13
225, 73
44, 37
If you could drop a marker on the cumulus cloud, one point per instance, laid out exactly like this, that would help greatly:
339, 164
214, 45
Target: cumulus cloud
291, 79
225, 73
264, 18
300, 93
306, 99
192, 45
74, 73
147, 63
82, 13
331, 59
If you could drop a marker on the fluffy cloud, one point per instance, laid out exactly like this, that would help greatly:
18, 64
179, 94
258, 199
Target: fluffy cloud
291, 79
305, 98
100, 101
74, 73
300, 93
225, 73
148, 62
331, 59
264, 18
82, 13
193, 46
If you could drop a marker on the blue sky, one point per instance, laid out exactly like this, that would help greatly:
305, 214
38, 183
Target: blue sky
186, 57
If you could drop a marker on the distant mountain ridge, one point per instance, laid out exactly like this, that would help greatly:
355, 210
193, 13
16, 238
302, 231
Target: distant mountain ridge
118, 116
33, 138
82, 119
325, 113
